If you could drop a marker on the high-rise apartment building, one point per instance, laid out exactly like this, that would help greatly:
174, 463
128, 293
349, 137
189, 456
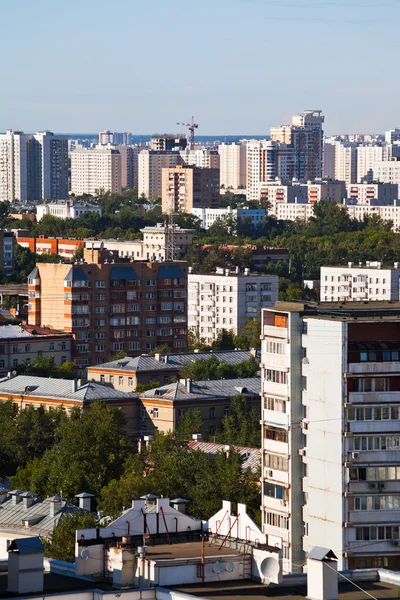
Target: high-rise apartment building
184, 188
110, 305
150, 166
330, 432
129, 165
205, 158
232, 165
225, 299
95, 169
168, 142
33, 166
346, 162
265, 161
392, 136
387, 171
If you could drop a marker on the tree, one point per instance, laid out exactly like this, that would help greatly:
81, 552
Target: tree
8, 437
24, 263
242, 426
249, 336
162, 349
143, 387
92, 449
225, 341
195, 342
189, 423
61, 545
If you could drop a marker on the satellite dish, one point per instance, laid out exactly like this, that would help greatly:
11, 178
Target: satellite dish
230, 567
111, 253
14, 372
85, 554
217, 568
270, 569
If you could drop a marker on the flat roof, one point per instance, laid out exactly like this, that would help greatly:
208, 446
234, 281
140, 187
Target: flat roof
367, 311
55, 583
241, 590
188, 550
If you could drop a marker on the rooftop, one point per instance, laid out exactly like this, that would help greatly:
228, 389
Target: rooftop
204, 390
168, 362
347, 311
188, 550
61, 389
27, 331
251, 456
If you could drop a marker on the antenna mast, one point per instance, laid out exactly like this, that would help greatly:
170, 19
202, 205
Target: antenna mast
170, 245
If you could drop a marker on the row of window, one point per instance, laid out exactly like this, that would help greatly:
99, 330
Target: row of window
372, 384
275, 347
373, 413
387, 355
376, 503
276, 520
377, 532
276, 404
276, 376
378, 442
276, 461
374, 473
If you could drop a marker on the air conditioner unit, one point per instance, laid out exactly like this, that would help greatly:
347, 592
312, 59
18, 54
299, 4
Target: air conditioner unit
355, 455
396, 542
303, 451
373, 486
304, 425
381, 486
283, 503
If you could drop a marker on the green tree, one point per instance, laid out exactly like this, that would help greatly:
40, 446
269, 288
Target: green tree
8, 437
143, 387
249, 336
162, 349
61, 545
189, 423
225, 341
24, 263
242, 426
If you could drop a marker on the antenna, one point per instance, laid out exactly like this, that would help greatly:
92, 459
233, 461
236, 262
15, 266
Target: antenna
169, 227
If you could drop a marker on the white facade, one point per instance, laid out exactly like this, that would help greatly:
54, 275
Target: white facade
205, 158
330, 461
359, 283
66, 210
383, 211
208, 216
150, 166
224, 301
387, 171
391, 136
232, 165
95, 169
363, 193
346, 162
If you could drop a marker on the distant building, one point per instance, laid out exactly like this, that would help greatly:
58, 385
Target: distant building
47, 245
184, 188
126, 373
68, 209
232, 165
363, 193
168, 142
387, 171
96, 169
7, 241
162, 407
150, 166
111, 305
208, 216
225, 299
22, 344
204, 158
359, 282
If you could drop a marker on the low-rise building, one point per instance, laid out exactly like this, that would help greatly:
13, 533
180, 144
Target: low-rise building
127, 373
49, 245
28, 390
67, 209
359, 282
208, 216
161, 408
225, 299
22, 344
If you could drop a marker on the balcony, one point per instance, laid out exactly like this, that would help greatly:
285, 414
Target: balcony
369, 368
374, 397
276, 332
272, 417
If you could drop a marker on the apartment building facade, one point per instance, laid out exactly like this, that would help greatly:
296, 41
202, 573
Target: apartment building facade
33, 166
187, 187
225, 299
232, 165
150, 166
330, 432
7, 241
111, 305
363, 193
95, 169
44, 245
358, 282
208, 216
387, 171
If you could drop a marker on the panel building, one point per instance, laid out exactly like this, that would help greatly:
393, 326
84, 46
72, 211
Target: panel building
184, 188
96, 169
225, 299
358, 282
232, 165
150, 166
330, 432
111, 305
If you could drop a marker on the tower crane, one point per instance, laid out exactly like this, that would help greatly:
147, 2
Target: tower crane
192, 126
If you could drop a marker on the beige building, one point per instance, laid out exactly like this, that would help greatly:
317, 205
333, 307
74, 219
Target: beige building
184, 188
150, 166
205, 158
162, 407
94, 169
232, 165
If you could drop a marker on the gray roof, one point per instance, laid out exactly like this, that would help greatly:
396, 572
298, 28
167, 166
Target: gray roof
319, 553
205, 390
63, 389
12, 517
172, 361
35, 274
251, 457
14, 331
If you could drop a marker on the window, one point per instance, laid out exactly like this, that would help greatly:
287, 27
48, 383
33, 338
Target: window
376, 502
100, 347
151, 282
274, 491
369, 384
275, 376
51, 347
100, 322
100, 284
100, 297
120, 380
276, 520
100, 310
227, 411
130, 381
275, 347
155, 413
276, 434
211, 414
102, 379
166, 306
276, 404
377, 442
276, 461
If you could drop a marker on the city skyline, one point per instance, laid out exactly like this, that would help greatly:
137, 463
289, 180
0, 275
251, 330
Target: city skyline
114, 66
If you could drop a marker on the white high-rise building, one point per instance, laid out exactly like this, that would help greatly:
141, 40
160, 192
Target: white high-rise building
392, 136
387, 171
346, 162
205, 158
232, 165
358, 282
33, 166
95, 169
330, 432
225, 299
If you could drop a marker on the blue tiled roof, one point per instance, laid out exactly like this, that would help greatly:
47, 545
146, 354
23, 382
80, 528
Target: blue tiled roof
124, 273
170, 272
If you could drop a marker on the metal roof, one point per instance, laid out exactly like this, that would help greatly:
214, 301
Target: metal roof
319, 553
76, 274
14, 331
124, 273
205, 390
35, 274
31, 545
251, 457
63, 389
170, 272
170, 362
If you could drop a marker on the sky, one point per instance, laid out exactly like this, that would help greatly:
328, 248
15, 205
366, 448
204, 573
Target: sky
238, 66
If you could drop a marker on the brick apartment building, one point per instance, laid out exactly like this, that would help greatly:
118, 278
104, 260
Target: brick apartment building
111, 305
50, 245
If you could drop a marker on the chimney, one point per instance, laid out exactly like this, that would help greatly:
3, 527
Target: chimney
85, 501
322, 577
25, 566
16, 497
157, 357
179, 504
188, 385
197, 437
28, 499
56, 504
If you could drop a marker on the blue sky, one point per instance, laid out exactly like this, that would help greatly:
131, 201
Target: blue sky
240, 66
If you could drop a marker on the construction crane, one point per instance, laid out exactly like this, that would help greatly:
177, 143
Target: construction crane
192, 126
